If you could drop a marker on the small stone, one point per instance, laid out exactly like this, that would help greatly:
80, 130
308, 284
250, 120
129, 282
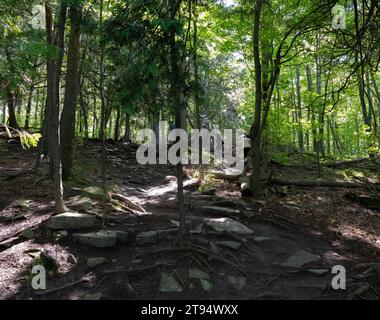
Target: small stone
262, 239
27, 234
195, 273
93, 296
72, 221
95, 262
169, 284
229, 225
300, 259
237, 282
206, 285
72, 259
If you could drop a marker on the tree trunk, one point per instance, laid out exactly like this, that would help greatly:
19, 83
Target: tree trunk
117, 124
255, 132
51, 103
12, 121
71, 93
103, 109
299, 110
311, 114
361, 71
127, 134
177, 87
29, 106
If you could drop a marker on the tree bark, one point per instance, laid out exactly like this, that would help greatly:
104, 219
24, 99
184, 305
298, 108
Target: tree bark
299, 110
71, 93
103, 109
177, 87
51, 103
255, 132
12, 120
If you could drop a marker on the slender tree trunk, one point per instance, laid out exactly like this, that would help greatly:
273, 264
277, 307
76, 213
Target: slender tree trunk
377, 92
51, 103
156, 124
370, 102
29, 105
256, 184
299, 111
4, 113
71, 94
84, 107
117, 124
177, 87
360, 74
36, 109
311, 111
103, 109
196, 68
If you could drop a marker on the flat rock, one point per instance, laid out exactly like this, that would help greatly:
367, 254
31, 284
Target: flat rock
300, 259
169, 284
100, 239
228, 225
103, 238
71, 221
95, 262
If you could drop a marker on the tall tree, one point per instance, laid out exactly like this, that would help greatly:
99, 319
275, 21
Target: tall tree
71, 94
51, 104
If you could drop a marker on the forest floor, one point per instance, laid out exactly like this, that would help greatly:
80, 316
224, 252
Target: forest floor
295, 235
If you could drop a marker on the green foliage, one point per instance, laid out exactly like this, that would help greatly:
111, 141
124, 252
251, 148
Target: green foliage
29, 140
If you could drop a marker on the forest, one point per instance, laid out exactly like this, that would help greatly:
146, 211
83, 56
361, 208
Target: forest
86, 84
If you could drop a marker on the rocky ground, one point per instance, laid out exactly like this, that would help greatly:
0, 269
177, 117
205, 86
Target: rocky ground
124, 246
